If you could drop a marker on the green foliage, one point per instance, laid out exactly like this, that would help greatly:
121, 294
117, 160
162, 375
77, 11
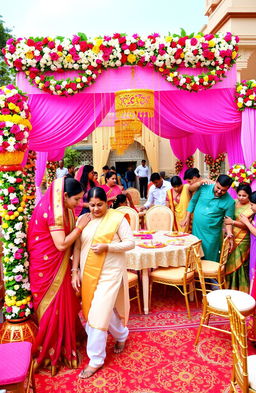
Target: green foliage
6, 75
82, 36
72, 157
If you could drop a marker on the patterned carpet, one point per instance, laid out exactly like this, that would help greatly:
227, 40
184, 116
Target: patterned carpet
160, 356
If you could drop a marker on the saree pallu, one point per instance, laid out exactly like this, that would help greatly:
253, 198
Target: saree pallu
179, 209
237, 267
55, 302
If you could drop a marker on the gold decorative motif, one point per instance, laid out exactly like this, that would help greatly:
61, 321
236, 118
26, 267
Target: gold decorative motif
133, 103
136, 355
41, 274
129, 105
51, 351
45, 215
185, 376
37, 237
18, 330
46, 257
99, 382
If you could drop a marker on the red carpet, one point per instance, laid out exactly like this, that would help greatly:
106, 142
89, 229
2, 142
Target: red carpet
160, 356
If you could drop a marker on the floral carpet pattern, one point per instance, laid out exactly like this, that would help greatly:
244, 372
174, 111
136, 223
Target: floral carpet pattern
159, 357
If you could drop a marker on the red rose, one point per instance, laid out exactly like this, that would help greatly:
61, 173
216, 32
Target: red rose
19, 180
5, 145
132, 46
22, 314
122, 40
11, 189
123, 58
22, 307
51, 44
30, 42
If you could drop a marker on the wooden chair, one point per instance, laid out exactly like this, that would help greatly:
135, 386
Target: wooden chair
215, 303
244, 366
181, 277
159, 218
16, 366
135, 194
216, 270
133, 215
133, 282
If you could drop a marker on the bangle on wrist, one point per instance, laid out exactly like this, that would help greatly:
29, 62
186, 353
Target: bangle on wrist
79, 228
74, 270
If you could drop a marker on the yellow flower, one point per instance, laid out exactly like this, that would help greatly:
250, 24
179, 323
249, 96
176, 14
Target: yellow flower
211, 43
29, 55
5, 225
59, 53
252, 97
131, 58
21, 187
11, 106
160, 69
239, 104
6, 259
168, 38
17, 109
69, 58
171, 74
50, 38
213, 72
16, 214
12, 217
239, 88
7, 217
234, 54
198, 36
243, 174
98, 41
253, 84
96, 49
19, 303
206, 78
20, 209
182, 55
23, 204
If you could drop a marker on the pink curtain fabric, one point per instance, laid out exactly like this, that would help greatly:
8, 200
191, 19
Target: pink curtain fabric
59, 122
248, 138
41, 159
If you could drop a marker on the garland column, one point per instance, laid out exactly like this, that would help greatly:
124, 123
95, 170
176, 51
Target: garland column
14, 133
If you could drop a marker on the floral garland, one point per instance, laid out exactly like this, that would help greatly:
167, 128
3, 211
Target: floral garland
253, 169
178, 166
14, 120
51, 167
37, 55
29, 173
15, 265
245, 94
240, 174
189, 162
214, 164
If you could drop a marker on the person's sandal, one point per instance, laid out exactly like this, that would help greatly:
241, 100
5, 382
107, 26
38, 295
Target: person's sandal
88, 372
119, 346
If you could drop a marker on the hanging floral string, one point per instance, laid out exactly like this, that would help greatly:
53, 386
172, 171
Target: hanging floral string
51, 168
214, 164
189, 162
245, 94
178, 166
29, 172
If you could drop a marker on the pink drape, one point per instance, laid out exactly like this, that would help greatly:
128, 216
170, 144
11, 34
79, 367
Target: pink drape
41, 159
248, 138
59, 122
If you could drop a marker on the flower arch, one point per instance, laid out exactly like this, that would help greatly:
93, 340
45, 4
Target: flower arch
39, 56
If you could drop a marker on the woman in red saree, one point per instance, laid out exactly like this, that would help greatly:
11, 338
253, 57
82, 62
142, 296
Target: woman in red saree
51, 233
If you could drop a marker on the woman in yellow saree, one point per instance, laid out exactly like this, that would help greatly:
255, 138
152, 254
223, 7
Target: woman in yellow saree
179, 197
100, 253
237, 267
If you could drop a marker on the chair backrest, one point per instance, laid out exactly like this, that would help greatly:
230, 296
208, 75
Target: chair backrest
135, 194
159, 218
199, 271
133, 215
224, 252
239, 346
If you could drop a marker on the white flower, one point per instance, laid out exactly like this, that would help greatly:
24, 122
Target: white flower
10, 292
18, 226
15, 309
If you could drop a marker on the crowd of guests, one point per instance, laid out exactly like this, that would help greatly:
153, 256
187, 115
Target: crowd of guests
86, 255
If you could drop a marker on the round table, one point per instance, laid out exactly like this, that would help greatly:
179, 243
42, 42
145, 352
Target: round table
174, 254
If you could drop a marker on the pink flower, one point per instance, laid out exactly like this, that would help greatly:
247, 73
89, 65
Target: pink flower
19, 136
15, 128
75, 40
54, 56
5, 111
193, 41
9, 309
18, 278
141, 43
14, 201
153, 58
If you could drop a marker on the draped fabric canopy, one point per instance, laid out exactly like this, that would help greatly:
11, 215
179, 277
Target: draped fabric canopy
207, 120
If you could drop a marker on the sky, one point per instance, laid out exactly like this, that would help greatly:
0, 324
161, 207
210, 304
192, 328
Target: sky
101, 17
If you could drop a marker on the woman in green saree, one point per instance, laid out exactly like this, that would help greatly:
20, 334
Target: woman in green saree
237, 267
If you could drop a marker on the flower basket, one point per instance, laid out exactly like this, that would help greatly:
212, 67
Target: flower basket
16, 330
13, 158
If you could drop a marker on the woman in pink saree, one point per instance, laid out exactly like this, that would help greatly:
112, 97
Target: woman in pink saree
51, 233
85, 175
112, 189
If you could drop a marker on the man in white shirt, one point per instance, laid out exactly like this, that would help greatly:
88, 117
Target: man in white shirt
157, 192
61, 171
142, 172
